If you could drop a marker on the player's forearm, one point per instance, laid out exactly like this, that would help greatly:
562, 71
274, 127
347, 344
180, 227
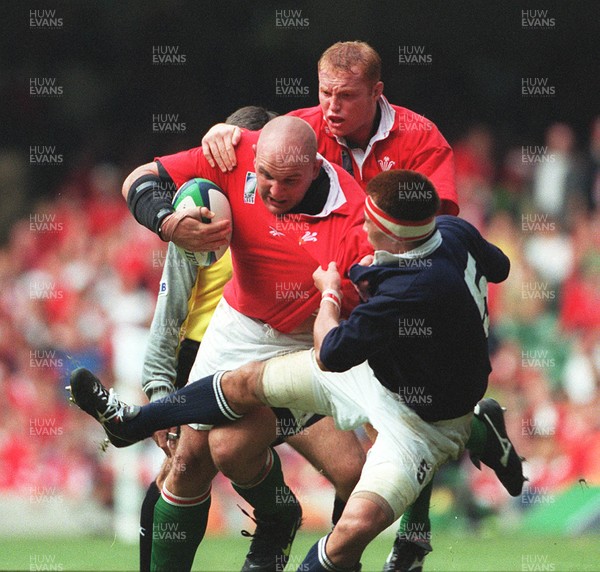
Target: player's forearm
327, 319
160, 362
329, 283
177, 280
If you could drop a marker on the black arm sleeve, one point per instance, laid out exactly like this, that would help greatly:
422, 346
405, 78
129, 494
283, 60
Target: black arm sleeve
149, 199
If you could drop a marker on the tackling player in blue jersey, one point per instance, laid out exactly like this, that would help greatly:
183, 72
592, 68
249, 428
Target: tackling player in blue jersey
421, 331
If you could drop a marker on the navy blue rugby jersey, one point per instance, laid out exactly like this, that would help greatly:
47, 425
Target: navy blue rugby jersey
424, 326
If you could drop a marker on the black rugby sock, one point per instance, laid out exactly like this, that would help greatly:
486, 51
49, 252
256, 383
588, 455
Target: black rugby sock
146, 526
199, 402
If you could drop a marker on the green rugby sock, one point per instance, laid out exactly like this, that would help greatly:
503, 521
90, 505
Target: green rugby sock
270, 494
177, 533
476, 442
414, 524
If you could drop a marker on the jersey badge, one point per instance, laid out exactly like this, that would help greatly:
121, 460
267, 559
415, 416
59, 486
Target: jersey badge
308, 237
386, 164
250, 188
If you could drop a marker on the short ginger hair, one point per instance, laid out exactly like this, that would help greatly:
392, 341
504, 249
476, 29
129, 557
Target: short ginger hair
345, 56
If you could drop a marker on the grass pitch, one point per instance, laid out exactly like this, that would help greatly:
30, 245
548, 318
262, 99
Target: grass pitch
497, 552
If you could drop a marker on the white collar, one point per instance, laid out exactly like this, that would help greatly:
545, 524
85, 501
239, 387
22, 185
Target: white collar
335, 197
385, 258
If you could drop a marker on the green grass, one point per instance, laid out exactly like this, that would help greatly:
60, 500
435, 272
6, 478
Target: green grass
499, 552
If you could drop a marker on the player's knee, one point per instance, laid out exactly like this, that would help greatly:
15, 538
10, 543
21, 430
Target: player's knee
191, 460
179, 467
353, 529
227, 452
241, 448
240, 386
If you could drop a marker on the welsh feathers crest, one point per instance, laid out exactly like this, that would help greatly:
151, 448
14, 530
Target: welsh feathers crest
386, 164
308, 237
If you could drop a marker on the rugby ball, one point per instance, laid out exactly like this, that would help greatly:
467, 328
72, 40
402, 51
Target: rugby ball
203, 193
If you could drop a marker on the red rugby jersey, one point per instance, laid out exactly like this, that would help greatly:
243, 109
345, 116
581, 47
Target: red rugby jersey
405, 140
274, 257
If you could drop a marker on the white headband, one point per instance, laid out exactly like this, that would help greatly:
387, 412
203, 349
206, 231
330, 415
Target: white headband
394, 228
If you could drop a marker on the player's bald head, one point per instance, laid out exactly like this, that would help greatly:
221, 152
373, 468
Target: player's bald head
286, 163
290, 139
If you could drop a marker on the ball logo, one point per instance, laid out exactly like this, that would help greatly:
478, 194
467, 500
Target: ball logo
186, 203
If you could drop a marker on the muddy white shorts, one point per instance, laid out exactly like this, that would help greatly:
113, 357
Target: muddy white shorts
408, 450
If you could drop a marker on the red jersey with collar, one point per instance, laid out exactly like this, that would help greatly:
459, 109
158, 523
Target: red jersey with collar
413, 142
274, 257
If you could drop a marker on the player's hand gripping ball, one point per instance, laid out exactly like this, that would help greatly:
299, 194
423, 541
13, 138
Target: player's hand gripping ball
203, 193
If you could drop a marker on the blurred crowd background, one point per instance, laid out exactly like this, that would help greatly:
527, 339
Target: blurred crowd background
78, 276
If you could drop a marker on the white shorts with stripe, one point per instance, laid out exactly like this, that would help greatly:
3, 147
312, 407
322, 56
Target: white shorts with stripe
408, 450
233, 339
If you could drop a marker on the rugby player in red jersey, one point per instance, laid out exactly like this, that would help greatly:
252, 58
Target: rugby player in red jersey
187, 298
291, 210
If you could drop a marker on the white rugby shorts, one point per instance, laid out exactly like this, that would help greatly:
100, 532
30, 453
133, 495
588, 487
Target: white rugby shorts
233, 339
408, 450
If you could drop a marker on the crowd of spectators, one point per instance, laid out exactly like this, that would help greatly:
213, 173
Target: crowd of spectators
79, 269
540, 204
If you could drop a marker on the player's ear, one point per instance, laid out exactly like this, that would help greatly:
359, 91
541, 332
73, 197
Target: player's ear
254, 151
317, 168
377, 89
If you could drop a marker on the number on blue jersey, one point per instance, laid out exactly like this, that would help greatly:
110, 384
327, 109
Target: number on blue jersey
479, 291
